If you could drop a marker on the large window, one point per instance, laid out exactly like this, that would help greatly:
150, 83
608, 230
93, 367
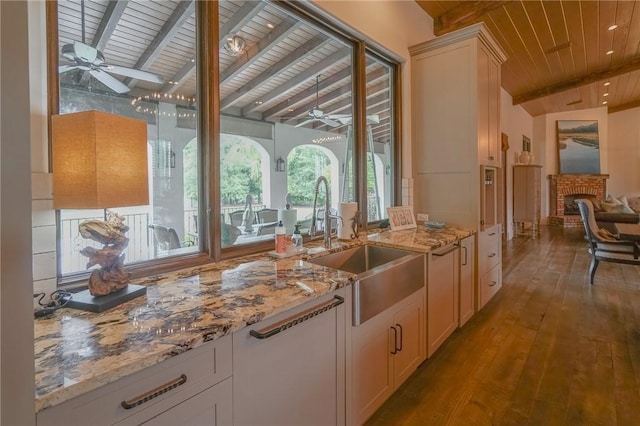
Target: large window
285, 106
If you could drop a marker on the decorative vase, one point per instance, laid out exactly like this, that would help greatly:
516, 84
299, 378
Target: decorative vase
525, 157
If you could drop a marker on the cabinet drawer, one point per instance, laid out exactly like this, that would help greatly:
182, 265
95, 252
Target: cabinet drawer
490, 283
173, 381
489, 250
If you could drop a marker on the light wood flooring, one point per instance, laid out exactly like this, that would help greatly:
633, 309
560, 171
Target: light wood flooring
548, 349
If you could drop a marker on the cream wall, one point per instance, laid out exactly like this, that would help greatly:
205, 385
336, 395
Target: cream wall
514, 122
624, 152
544, 128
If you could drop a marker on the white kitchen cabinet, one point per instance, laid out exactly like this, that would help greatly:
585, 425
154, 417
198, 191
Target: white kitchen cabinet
489, 264
455, 81
467, 280
289, 370
442, 295
386, 350
200, 379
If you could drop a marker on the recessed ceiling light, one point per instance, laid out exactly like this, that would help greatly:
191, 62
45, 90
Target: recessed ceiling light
270, 25
604, 102
605, 94
610, 52
607, 83
613, 27
290, 109
258, 102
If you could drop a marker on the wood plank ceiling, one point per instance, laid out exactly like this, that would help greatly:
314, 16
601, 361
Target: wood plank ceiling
287, 69
557, 49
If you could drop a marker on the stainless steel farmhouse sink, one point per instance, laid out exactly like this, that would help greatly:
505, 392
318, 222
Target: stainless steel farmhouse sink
384, 276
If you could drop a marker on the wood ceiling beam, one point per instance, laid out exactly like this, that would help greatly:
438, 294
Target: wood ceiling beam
301, 111
463, 15
243, 16
297, 55
112, 14
180, 15
295, 82
258, 50
573, 83
303, 96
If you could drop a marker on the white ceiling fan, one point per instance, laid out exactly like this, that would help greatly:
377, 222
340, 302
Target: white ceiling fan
332, 120
88, 58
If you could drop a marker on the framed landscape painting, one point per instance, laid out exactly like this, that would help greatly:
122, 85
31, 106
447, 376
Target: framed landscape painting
578, 147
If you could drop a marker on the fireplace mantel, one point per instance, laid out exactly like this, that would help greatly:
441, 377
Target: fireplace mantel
569, 184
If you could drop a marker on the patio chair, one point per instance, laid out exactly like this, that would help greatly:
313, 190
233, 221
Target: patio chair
604, 246
235, 217
167, 238
267, 216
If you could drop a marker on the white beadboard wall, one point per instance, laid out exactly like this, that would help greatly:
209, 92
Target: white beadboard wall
44, 233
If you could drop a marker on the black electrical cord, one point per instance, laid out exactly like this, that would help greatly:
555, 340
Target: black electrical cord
59, 298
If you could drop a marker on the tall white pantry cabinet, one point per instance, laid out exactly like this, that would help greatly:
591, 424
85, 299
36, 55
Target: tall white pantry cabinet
455, 80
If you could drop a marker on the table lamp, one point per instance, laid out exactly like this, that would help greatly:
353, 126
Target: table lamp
100, 162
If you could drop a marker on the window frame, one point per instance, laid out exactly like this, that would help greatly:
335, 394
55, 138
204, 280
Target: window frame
207, 42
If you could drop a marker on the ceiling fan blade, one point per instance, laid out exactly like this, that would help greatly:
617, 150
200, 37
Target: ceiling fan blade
109, 81
373, 119
310, 120
65, 68
330, 122
133, 73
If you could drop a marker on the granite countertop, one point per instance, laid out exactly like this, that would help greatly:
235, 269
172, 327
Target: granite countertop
78, 351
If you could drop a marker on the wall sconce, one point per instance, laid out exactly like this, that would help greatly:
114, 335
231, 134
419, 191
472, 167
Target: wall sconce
99, 162
280, 165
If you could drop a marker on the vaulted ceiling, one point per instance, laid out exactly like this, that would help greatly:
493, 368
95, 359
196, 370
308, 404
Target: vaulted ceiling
557, 49
557, 55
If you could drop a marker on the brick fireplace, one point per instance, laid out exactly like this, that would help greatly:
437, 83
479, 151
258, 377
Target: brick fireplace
569, 187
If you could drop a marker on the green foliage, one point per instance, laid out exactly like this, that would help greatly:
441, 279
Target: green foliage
305, 164
240, 172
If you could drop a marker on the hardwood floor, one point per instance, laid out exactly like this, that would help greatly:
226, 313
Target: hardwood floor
548, 349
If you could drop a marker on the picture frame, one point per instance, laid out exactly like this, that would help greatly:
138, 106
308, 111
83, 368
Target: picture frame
578, 146
401, 217
526, 144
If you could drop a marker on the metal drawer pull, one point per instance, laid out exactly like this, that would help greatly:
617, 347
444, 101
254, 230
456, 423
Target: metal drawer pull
491, 157
464, 263
302, 317
493, 283
395, 341
492, 255
492, 234
153, 393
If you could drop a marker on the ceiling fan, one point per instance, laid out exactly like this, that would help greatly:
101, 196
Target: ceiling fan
87, 58
316, 114
332, 120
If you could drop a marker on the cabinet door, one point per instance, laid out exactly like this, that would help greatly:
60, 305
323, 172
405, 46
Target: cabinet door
467, 280
292, 377
442, 296
213, 407
409, 334
372, 344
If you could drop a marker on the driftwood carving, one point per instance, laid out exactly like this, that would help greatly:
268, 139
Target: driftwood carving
111, 233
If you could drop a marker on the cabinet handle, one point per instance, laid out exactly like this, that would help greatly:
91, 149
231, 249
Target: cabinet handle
492, 234
153, 393
493, 283
491, 157
492, 255
301, 317
464, 263
395, 341
400, 328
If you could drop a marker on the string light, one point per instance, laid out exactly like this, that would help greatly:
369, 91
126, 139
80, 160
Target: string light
326, 139
177, 99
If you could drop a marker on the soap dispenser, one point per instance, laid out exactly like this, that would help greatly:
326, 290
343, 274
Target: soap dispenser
296, 238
